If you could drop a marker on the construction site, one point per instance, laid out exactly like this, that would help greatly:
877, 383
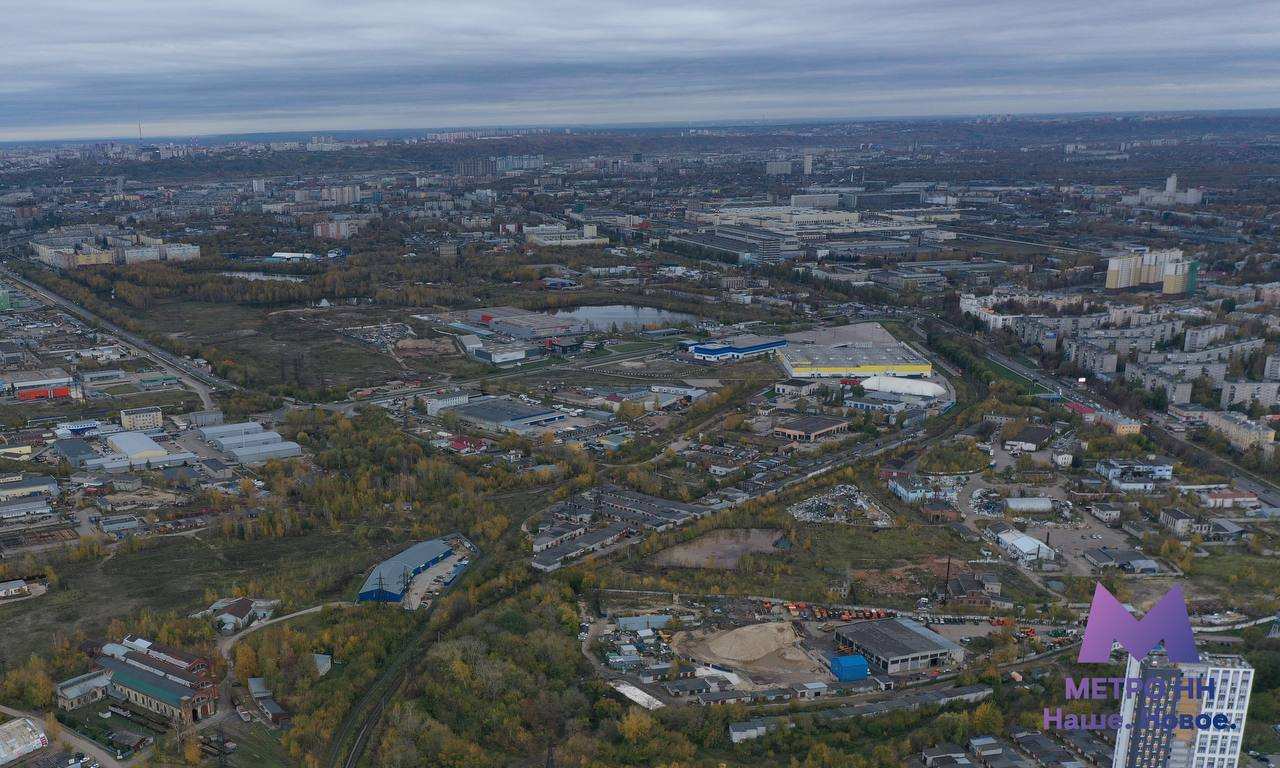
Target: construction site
765, 654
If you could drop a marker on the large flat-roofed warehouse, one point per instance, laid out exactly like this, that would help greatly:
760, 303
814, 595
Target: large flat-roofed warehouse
391, 578
809, 429
504, 414
20, 486
260, 454
137, 446
857, 349
231, 442
899, 645
220, 431
249, 443
39, 384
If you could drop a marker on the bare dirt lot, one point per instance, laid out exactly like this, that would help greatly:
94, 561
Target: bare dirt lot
766, 653
720, 550
908, 579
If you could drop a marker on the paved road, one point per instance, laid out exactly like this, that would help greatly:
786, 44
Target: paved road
202, 382
72, 740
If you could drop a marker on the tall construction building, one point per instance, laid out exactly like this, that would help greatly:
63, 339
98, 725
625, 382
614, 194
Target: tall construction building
1224, 684
1181, 277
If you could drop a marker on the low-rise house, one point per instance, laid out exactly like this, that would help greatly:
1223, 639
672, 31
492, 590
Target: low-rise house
14, 588
239, 613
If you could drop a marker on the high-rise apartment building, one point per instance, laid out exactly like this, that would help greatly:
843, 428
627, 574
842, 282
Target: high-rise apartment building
1223, 684
1138, 266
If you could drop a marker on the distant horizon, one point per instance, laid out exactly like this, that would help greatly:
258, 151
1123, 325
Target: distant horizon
76, 70
398, 132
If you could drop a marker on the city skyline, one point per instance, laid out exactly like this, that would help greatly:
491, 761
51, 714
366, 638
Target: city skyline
305, 66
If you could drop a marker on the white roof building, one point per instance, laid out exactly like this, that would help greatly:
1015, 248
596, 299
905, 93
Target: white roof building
137, 446
1023, 547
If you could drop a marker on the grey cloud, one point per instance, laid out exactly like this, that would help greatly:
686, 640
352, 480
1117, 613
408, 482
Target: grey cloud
82, 69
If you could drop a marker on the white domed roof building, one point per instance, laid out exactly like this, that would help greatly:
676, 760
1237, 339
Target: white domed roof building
903, 386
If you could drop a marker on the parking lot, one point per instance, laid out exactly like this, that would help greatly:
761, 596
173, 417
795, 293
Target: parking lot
1072, 542
432, 581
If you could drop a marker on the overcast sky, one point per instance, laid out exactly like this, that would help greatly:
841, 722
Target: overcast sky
88, 68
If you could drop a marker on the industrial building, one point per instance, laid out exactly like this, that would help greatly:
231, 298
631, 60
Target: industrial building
21, 486
554, 557
248, 443
1027, 550
231, 442
217, 431
855, 350
136, 446
736, 348
43, 384
559, 234
149, 676
505, 414
390, 579
258, 454
846, 362
810, 429
849, 668
899, 645
523, 324
24, 509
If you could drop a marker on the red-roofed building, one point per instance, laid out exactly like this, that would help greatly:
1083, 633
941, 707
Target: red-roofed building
1081, 410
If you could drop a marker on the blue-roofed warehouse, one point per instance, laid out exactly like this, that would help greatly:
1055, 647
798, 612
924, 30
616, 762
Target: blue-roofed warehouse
390, 579
736, 348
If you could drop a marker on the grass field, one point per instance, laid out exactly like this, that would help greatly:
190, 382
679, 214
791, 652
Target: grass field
277, 347
256, 745
1237, 578
1011, 376
173, 574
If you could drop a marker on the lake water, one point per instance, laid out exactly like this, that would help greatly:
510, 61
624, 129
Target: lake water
264, 276
624, 316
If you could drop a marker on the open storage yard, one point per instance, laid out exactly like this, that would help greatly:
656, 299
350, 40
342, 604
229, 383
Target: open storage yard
767, 653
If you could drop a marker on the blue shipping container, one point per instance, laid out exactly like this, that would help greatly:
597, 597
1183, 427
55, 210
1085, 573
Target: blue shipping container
849, 669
